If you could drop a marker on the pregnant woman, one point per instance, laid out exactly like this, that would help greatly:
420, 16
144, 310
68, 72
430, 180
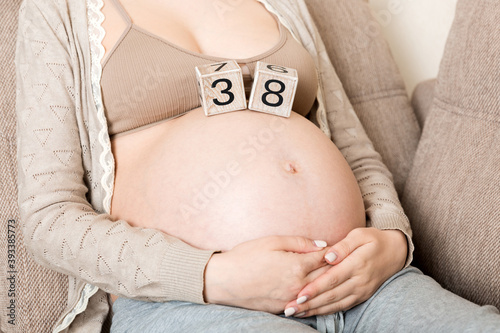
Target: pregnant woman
189, 221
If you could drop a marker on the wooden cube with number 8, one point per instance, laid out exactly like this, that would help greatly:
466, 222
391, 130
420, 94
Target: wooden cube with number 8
221, 87
273, 89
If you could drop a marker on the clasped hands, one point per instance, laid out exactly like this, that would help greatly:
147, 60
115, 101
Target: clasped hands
294, 275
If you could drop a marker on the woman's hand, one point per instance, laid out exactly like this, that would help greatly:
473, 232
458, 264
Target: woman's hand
264, 274
361, 263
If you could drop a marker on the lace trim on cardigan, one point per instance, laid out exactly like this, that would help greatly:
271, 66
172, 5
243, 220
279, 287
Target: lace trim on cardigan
96, 34
87, 292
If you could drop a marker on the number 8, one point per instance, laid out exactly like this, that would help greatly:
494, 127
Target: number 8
267, 85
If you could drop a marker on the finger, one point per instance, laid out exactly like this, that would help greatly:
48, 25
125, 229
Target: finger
310, 262
335, 295
316, 273
334, 277
354, 239
342, 305
296, 244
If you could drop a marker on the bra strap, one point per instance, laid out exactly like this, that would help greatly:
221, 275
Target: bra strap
123, 12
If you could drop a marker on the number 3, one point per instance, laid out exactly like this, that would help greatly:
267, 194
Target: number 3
225, 91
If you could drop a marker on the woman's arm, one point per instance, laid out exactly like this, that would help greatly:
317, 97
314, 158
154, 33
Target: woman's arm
61, 228
336, 113
368, 254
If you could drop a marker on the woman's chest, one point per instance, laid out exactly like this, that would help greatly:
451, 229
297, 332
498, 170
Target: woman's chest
235, 29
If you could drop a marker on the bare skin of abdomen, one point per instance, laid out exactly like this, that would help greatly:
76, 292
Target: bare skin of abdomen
215, 182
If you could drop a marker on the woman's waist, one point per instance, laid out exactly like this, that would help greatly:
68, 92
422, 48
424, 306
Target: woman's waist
217, 181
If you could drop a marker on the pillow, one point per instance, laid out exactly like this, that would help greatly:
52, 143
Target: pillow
421, 100
371, 79
452, 195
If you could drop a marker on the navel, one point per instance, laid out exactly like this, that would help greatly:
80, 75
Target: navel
291, 167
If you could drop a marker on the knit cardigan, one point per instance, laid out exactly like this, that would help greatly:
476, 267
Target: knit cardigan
66, 167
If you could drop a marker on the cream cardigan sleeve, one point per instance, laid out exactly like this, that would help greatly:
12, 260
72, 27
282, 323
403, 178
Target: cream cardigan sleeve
336, 117
61, 229
382, 205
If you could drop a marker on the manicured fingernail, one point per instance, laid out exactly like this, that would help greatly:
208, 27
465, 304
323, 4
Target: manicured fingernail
290, 312
331, 257
320, 243
300, 314
301, 300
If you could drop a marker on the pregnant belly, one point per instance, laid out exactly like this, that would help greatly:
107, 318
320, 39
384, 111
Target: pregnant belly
215, 182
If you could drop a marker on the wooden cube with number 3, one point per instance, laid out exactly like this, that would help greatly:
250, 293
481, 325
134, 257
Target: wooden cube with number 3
273, 89
221, 87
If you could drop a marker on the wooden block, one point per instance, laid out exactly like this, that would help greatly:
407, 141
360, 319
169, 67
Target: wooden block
221, 87
273, 89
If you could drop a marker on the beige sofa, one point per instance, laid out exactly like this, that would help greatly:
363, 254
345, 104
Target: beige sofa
450, 185
452, 191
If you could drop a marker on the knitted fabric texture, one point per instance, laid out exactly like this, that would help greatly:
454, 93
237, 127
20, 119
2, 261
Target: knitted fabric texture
31, 297
452, 195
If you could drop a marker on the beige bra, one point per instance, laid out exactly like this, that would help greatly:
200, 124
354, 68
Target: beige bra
147, 79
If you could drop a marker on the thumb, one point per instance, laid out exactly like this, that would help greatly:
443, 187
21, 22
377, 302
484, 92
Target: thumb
297, 244
345, 247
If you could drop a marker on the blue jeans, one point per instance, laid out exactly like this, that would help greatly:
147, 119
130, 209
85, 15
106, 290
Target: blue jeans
408, 302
